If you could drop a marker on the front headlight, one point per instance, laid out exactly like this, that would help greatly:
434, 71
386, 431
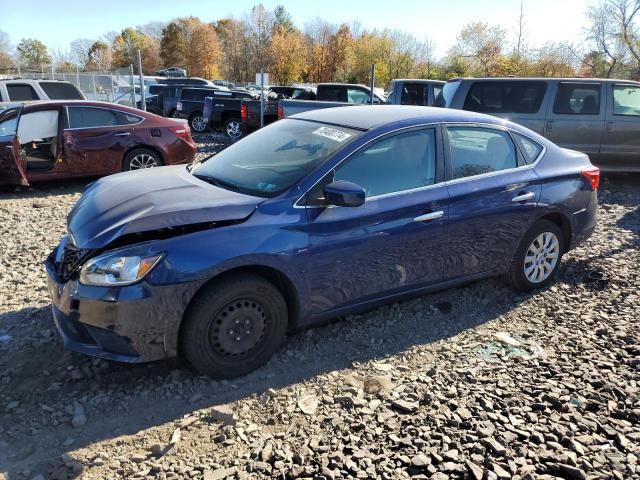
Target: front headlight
117, 269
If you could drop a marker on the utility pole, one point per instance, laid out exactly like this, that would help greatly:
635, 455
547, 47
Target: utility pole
373, 82
143, 99
133, 87
262, 98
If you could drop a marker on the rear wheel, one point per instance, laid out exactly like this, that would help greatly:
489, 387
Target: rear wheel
234, 326
234, 128
197, 122
141, 158
538, 257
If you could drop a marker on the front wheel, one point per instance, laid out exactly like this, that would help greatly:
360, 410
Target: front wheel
234, 128
233, 326
141, 158
538, 257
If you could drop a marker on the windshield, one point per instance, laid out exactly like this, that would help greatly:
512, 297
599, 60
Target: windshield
274, 158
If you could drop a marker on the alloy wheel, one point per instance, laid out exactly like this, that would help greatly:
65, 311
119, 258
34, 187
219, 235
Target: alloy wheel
234, 129
541, 257
142, 160
198, 124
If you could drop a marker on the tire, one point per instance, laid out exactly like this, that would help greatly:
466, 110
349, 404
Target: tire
141, 158
197, 123
207, 338
234, 128
539, 269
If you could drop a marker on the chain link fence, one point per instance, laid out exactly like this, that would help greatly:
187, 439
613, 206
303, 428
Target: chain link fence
118, 87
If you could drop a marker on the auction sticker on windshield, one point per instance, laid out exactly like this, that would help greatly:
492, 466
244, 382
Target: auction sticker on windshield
332, 133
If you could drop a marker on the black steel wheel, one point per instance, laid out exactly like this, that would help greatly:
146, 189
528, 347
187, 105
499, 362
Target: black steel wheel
233, 326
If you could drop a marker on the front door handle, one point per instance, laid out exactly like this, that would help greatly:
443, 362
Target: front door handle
123, 134
524, 197
429, 216
550, 124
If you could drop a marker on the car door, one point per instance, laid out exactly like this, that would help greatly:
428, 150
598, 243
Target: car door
621, 141
95, 139
396, 241
12, 168
493, 196
575, 118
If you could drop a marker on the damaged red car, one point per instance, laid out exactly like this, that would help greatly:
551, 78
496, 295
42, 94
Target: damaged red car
61, 139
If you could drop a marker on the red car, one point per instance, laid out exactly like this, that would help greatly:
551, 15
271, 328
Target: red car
60, 139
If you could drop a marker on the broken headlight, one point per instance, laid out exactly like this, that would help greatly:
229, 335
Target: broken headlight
118, 268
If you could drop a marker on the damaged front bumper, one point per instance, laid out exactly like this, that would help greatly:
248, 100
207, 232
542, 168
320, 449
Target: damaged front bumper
132, 323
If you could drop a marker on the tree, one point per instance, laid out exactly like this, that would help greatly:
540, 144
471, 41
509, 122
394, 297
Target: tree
80, 51
172, 45
282, 20
125, 50
99, 56
5, 50
33, 52
233, 38
481, 45
286, 52
203, 52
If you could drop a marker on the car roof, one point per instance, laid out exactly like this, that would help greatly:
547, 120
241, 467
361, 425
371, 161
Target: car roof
419, 80
562, 79
78, 103
366, 117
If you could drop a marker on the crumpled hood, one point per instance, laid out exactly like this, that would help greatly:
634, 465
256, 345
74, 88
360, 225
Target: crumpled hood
148, 200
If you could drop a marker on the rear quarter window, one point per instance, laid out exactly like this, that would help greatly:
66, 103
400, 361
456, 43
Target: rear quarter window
445, 96
529, 148
61, 91
21, 92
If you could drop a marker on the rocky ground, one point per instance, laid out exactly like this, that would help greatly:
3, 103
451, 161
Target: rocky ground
475, 382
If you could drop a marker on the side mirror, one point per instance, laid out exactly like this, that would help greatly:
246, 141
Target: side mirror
344, 194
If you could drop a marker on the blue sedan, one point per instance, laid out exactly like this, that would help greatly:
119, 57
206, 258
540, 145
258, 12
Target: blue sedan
319, 215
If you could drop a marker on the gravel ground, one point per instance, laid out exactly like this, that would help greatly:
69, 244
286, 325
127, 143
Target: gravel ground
474, 382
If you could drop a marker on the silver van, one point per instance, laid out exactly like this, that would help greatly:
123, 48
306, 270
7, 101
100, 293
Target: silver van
600, 117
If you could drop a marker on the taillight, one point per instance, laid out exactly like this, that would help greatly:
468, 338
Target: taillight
243, 112
183, 132
280, 112
592, 176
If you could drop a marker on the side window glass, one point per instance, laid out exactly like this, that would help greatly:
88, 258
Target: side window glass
529, 148
626, 100
414, 94
334, 94
577, 99
475, 151
88, 117
436, 91
21, 92
505, 97
357, 96
394, 164
9, 123
61, 91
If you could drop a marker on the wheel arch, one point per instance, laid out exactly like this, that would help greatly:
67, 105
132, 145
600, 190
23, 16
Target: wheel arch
563, 222
273, 275
142, 147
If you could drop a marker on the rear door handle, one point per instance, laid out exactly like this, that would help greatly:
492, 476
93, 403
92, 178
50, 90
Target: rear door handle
550, 124
524, 197
429, 216
123, 134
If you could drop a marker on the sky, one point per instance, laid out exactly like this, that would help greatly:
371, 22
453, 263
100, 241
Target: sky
545, 20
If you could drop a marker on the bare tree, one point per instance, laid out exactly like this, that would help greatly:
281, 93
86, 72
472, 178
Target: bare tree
80, 51
625, 12
520, 31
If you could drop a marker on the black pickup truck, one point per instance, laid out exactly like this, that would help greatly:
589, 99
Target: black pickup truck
190, 106
237, 116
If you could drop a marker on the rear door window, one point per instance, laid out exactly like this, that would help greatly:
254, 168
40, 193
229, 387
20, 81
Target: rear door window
577, 99
476, 151
195, 95
21, 92
61, 91
415, 94
626, 100
505, 97
90, 117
